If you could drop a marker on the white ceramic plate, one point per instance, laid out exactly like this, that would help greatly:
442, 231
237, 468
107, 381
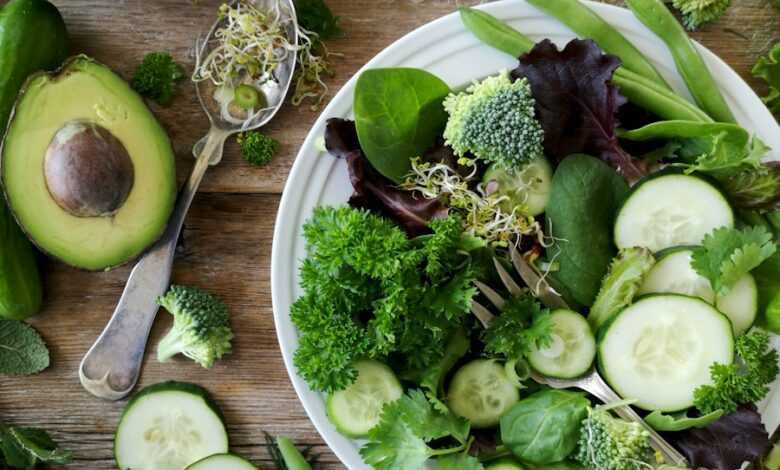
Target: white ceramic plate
445, 48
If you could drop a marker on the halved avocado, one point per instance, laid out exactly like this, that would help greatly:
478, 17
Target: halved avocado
87, 170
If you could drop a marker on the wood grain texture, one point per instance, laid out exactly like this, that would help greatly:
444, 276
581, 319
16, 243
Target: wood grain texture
227, 240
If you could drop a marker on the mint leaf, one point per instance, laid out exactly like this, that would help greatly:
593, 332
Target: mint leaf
727, 254
22, 351
25, 448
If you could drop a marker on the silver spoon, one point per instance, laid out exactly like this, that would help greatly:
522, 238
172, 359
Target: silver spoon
111, 367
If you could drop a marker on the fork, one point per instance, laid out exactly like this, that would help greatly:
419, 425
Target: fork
591, 381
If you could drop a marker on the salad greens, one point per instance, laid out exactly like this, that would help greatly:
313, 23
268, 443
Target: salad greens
743, 382
415, 273
544, 427
620, 285
768, 69
26, 448
680, 421
584, 198
398, 115
727, 254
22, 350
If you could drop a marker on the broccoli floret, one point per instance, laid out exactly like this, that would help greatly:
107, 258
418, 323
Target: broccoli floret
156, 77
610, 443
494, 120
695, 13
201, 328
258, 149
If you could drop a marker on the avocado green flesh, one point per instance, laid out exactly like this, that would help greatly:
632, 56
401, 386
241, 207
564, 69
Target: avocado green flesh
85, 90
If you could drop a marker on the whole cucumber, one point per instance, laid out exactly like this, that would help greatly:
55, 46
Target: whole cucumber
32, 38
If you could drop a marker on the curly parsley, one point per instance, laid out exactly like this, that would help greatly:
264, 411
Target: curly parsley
522, 326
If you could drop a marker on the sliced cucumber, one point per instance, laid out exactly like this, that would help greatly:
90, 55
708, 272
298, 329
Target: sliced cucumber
673, 274
357, 408
222, 462
660, 349
481, 391
671, 210
572, 350
527, 188
169, 425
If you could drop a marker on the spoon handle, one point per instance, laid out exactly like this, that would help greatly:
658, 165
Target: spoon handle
112, 365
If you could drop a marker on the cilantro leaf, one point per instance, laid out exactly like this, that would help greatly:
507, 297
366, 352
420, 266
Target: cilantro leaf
25, 448
727, 254
22, 351
745, 381
522, 326
406, 426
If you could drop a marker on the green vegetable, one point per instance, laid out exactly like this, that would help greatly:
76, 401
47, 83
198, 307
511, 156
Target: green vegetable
432, 377
587, 24
398, 115
767, 277
462, 461
727, 254
768, 68
248, 97
721, 149
544, 427
638, 89
494, 120
610, 443
32, 37
156, 77
584, 199
288, 456
370, 291
699, 12
697, 76
522, 327
201, 326
754, 188
621, 284
316, 16
680, 421
406, 426
745, 381
22, 351
26, 448
258, 149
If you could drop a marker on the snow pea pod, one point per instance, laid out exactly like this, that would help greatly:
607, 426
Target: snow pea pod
639, 90
657, 17
585, 23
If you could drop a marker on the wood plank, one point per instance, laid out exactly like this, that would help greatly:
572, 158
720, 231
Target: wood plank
227, 245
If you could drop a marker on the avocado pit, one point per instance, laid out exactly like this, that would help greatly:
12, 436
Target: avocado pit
88, 171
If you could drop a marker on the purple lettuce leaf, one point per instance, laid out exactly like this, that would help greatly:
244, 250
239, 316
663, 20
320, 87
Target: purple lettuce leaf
373, 191
725, 444
576, 102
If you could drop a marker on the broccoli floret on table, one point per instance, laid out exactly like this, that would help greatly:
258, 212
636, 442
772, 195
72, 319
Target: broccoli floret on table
201, 327
156, 77
494, 120
610, 443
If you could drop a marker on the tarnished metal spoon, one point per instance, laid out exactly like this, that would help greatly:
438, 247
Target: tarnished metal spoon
112, 365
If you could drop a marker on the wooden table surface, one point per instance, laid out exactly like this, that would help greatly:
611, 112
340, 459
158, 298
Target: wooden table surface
228, 234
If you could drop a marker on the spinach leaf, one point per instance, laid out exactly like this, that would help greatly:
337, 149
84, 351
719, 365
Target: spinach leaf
584, 199
544, 427
398, 114
680, 421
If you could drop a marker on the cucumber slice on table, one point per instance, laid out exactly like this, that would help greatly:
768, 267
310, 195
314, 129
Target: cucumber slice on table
169, 425
572, 350
660, 349
222, 462
481, 391
528, 187
357, 408
673, 274
671, 210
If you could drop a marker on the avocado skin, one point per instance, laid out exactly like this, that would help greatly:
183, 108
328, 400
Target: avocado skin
32, 37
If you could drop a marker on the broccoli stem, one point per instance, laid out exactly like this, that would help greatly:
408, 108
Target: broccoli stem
170, 345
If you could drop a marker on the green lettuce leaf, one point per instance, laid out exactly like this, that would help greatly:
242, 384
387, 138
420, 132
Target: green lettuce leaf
768, 68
